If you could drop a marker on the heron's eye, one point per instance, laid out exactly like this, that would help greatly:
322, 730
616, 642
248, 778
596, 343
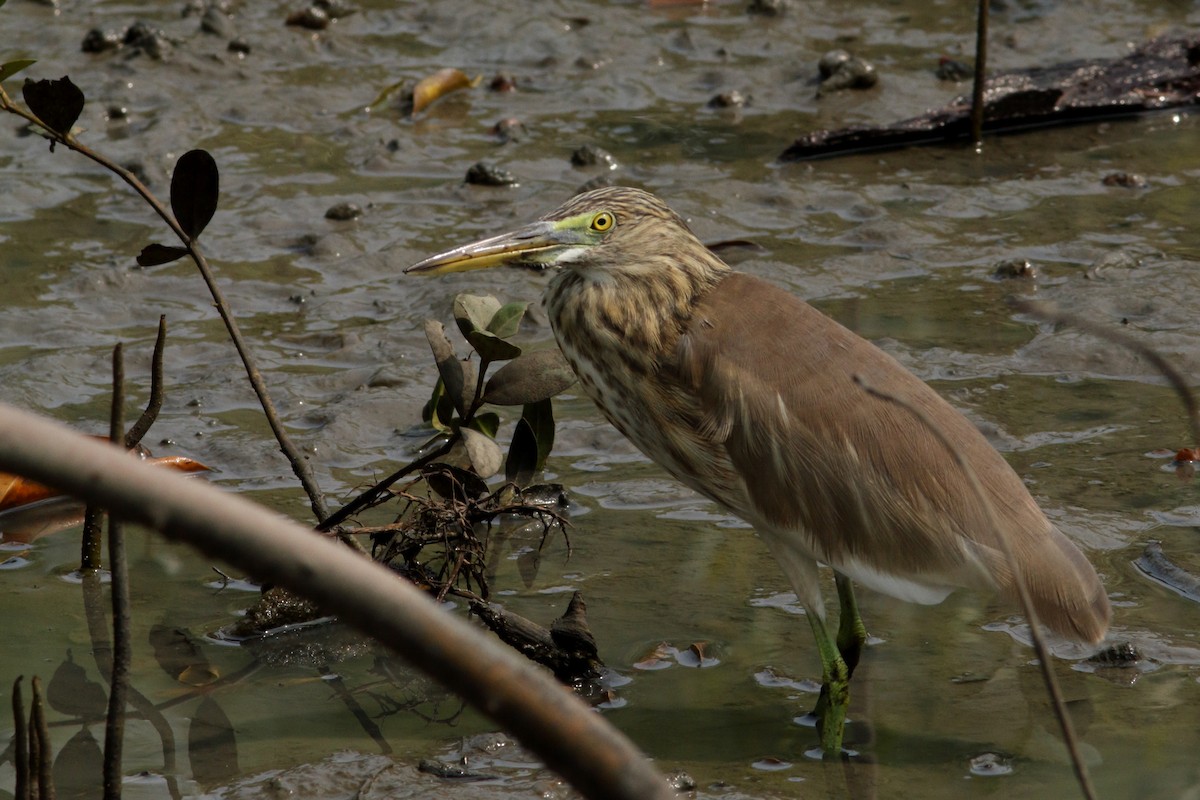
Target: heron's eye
602, 222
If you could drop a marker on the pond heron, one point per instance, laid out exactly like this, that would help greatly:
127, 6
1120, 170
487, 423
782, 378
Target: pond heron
749, 396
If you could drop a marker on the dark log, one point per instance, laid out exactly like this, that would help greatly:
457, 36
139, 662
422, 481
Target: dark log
1163, 73
567, 648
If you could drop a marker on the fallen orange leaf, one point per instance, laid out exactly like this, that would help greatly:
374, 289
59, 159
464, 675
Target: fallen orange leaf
438, 84
16, 491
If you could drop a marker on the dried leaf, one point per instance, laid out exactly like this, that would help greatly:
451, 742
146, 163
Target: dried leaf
16, 491
195, 186
528, 378
454, 483
449, 367
440, 83
154, 254
56, 103
483, 451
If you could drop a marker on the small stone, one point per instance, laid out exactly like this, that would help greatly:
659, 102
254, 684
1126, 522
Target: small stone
344, 212
484, 174
1126, 180
591, 156
509, 129
950, 70
98, 41
311, 18
767, 8
731, 99
503, 82
840, 70
239, 46
217, 23
1015, 268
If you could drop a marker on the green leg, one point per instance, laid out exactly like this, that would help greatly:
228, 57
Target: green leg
835, 689
852, 634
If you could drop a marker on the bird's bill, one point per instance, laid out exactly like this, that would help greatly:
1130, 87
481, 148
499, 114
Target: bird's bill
531, 244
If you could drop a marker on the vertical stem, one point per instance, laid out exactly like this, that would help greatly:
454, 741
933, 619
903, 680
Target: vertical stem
977, 101
20, 744
114, 729
45, 758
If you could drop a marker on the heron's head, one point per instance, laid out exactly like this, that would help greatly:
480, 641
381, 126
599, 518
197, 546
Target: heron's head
603, 231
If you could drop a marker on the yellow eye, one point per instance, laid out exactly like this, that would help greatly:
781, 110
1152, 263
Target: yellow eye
602, 221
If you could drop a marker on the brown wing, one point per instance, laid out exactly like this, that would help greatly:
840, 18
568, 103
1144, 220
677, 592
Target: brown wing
860, 476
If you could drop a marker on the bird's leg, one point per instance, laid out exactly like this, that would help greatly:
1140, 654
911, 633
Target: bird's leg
835, 689
852, 634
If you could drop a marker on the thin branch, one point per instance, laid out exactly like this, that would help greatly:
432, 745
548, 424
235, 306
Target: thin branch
45, 756
557, 726
134, 437
114, 729
1035, 628
979, 86
20, 743
299, 463
1047, 312
378, 492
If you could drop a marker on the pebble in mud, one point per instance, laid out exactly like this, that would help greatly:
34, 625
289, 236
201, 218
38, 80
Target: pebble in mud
591, 156
1015, 268
344, 212
840, 70
484, 174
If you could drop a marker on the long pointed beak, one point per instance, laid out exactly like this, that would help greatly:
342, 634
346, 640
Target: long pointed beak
532, 244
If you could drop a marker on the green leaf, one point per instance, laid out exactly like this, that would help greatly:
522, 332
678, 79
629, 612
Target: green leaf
154, 254
507, 320
195, 186
540, 417
438, 410
487, 423
473, 313
521, 464
56, 103
492, 348
483, 451
13, 67
528, 378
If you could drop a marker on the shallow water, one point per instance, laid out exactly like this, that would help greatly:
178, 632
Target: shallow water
899, 246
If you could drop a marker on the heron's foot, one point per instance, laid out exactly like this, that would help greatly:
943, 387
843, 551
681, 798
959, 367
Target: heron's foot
830, 713
851, 634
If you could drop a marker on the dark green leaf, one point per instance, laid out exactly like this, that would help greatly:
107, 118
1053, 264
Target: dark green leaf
438, 410
521, 465
13, 67
507, 320
484, 453
195, 184
56, 103
454, 483
528, 378
486, 423
540, 416
492, 348
154, 254
473, 313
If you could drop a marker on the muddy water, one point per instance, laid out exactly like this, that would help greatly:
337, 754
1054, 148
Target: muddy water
899, 246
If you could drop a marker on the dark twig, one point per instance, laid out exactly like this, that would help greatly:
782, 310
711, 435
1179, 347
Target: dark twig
134, 437
1048, 313
977, 89
45, 756
1035, 628
20, 743
299, 464
114, 729
378, 492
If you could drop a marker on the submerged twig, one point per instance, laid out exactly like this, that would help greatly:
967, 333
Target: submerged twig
20, 743
114, 728
1047, 312
44, 755
1035, 628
